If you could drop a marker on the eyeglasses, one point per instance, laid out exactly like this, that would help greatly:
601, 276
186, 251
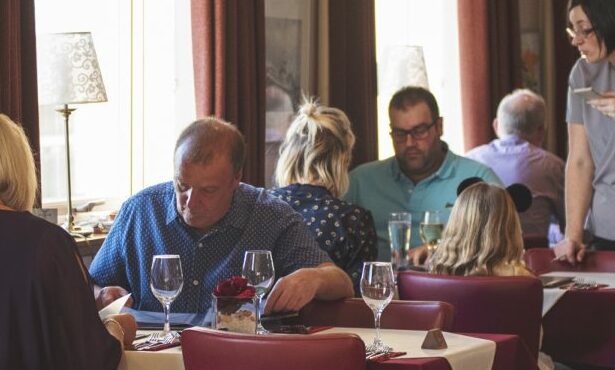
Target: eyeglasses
417, 133
584, 34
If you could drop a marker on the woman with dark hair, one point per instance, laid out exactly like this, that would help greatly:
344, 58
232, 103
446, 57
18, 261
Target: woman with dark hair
48, 314
590, 169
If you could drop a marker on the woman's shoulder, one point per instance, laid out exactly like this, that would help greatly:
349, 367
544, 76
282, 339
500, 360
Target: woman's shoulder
583, 73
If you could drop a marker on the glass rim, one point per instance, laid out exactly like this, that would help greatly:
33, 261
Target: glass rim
377, 263
166, 256
258, 251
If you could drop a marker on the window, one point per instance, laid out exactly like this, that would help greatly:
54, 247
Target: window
118, 147
432, 25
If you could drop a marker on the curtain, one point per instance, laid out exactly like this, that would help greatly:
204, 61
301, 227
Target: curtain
228, 44
18, 88
490, 62
352, 71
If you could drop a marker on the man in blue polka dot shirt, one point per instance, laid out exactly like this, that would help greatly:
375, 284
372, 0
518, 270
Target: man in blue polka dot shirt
209, 218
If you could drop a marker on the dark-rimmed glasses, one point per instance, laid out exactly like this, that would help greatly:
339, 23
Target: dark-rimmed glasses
583, 34
419, 132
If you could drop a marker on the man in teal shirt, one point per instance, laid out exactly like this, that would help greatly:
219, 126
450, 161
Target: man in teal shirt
423, 175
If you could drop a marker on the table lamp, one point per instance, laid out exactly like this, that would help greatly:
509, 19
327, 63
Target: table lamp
69, 74
400, 66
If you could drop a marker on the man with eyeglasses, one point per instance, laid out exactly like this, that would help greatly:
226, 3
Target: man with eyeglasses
423, 175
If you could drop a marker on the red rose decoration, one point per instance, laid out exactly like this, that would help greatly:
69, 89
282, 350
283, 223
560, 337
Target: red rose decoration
236, 286
235, 292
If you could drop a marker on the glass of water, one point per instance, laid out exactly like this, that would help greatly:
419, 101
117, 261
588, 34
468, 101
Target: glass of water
377, 290
400, 231
166, 282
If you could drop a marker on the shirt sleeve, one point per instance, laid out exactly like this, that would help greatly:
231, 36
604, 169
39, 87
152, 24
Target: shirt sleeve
109, 265
296, 247
574, 106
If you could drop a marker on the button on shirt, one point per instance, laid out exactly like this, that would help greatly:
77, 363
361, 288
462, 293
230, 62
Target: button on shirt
515, 160
382, 188
346, 232
148, 224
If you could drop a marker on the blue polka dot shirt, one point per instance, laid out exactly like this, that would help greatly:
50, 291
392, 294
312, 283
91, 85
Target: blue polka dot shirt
148, 224
345, 231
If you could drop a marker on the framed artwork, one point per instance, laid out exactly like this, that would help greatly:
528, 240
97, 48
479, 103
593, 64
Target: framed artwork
530, 56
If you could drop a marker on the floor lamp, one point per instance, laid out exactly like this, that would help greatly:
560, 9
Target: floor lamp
69, 74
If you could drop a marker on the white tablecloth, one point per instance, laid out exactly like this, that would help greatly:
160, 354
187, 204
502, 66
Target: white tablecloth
552, 295
463, 352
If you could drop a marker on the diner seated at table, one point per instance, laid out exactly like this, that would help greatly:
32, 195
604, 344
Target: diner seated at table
208, 217
483, 237
312, 173
48, 313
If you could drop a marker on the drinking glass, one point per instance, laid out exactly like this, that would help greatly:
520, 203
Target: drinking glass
258, 269
377, 289
400, 231
166, 282
430, 231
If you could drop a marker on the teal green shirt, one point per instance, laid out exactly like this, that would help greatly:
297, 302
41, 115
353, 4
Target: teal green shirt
382, 188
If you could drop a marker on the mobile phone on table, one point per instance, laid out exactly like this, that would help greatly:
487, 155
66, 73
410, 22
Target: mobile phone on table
588, 93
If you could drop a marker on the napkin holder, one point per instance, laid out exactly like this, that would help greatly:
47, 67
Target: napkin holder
434, 340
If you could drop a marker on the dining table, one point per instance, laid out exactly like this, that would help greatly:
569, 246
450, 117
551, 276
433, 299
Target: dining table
579, 324
510, 354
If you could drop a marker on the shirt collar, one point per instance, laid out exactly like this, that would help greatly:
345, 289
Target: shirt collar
445, 171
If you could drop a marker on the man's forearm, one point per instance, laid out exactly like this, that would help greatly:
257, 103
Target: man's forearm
334, 283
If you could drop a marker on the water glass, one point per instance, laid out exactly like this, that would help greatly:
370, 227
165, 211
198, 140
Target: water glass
166, 282
258, 269
377, 289
400, 232
430, 231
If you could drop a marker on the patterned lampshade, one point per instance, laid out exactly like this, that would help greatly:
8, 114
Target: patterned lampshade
401, 66
68, 69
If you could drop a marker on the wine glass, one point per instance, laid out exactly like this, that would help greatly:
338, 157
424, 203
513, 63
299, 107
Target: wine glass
166, 282
430, 231
258, 269
377, 289
400, 231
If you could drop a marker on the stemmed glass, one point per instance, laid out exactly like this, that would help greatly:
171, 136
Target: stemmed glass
258, 269
377, 289
400, 231
166, 282
430, 230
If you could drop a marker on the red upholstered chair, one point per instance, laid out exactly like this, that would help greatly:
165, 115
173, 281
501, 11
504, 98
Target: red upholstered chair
531, 241
483, 304
205, 349
353, 312
541, 261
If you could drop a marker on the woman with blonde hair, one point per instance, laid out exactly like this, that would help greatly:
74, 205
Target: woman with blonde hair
312, 173
48, 311
483, 235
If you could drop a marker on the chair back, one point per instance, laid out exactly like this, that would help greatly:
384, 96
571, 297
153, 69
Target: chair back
541, 262
205, 349
483, 304
531, 241
353, 312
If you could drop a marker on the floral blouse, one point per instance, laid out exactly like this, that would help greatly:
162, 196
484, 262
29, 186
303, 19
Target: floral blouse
345, 231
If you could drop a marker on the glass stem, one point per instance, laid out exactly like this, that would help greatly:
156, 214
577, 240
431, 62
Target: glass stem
167, 325
258, 311
377, 315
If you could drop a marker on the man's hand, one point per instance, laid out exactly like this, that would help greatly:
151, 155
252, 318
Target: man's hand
108, 294
293, 291
418, 255
570, 250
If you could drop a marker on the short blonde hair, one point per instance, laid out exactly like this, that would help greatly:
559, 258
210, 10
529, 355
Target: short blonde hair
18, 184
317, 149
482, 233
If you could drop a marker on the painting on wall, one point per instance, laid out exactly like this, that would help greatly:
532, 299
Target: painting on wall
530, 57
